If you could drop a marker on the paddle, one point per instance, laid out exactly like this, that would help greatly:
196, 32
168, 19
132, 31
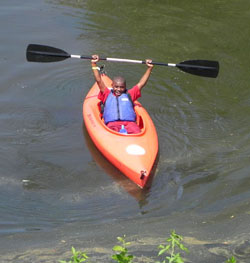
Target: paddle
41, 53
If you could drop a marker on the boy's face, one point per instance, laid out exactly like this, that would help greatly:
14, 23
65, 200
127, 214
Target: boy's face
119, 87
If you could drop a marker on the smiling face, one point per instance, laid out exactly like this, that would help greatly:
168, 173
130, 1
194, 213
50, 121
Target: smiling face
119, 86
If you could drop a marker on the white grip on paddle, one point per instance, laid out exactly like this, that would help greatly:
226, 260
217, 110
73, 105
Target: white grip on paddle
75, 56
124, 60
171, 65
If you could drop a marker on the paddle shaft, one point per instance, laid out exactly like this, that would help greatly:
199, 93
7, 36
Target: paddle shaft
41, 53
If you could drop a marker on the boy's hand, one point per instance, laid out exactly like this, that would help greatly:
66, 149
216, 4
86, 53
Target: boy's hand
95, 59
148, 63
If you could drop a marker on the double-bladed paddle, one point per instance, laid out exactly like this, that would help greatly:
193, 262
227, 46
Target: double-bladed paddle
41, 53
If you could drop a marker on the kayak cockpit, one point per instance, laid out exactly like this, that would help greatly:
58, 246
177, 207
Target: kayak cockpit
139, 119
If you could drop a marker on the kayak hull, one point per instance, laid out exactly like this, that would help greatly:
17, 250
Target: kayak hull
133, 154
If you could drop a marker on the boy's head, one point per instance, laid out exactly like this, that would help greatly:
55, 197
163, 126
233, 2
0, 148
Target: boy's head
119, 85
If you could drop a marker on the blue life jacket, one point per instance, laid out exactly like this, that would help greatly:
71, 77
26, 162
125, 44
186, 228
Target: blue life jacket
118, 108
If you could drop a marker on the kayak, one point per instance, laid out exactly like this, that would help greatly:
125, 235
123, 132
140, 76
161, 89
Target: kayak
133, 154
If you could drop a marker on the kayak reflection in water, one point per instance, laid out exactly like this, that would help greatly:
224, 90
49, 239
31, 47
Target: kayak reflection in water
118, 110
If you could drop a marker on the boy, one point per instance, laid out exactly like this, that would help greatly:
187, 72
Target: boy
118, 109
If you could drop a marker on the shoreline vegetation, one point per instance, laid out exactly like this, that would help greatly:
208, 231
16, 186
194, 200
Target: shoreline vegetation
170, 252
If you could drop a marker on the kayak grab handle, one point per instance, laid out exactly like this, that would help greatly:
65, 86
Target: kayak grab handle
143, 174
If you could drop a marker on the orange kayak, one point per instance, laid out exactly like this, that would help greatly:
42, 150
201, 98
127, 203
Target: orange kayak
133, 154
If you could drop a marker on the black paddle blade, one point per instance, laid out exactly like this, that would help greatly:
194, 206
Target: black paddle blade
41, 53
204, 68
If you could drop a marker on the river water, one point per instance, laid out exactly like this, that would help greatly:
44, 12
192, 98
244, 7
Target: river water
56, 189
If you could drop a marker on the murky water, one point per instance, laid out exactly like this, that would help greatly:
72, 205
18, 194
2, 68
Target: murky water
57, 190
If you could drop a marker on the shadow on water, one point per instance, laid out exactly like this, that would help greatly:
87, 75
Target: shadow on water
139, 194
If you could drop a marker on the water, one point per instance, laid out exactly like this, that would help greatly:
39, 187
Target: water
57, 190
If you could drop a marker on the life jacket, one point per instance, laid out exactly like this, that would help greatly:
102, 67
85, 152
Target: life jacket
119, 108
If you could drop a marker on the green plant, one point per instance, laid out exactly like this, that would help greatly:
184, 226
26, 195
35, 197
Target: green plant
173, 243
231, 260
77, 257
122, 255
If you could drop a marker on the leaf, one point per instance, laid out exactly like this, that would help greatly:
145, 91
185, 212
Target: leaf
162, 251
167, 247
84, 257
120, 239
182, 247
114, 257
231, 260
177, 258
73, 250
119, 257
118, 248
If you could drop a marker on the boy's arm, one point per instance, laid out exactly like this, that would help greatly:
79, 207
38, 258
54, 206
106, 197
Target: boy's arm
98, 79
145, 77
